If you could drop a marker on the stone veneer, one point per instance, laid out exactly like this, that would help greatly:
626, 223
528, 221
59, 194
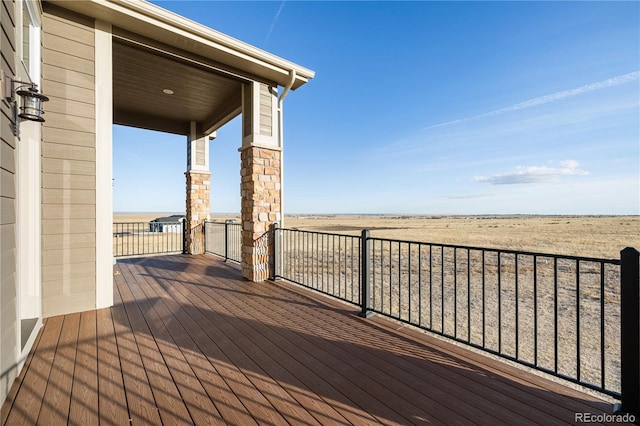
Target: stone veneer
260, 189
198, 210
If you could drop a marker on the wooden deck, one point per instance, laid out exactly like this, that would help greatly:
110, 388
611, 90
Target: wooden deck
190, 342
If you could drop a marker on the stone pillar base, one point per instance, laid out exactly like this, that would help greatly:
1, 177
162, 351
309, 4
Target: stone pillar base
260, 209
198, 210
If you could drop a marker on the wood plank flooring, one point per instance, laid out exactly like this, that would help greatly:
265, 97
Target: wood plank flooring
189, 341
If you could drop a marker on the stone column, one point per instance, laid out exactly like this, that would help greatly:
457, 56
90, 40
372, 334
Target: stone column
261, 159
198, 194
198, 210
260, 209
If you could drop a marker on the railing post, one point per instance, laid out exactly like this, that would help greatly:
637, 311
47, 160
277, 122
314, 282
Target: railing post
226, 238
630, 331
204, 236
365, 272
276, 251
184, 237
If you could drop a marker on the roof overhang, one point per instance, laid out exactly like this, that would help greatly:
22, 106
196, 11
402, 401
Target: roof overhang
154, 48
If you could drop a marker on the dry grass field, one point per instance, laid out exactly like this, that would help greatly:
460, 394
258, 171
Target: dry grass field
456, 301
589, 236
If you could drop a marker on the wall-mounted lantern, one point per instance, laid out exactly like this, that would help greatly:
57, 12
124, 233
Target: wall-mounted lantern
31, 101
31, 108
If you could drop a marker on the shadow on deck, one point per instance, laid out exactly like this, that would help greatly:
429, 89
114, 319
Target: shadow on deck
189, 341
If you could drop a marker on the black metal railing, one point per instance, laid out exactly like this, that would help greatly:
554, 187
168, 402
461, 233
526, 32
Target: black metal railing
558, 314
572, 317
329, 263
144, 238
224, 239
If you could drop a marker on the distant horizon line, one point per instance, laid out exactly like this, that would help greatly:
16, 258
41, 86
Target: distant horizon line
403, 214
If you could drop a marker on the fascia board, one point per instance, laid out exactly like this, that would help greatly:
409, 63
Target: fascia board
155, 22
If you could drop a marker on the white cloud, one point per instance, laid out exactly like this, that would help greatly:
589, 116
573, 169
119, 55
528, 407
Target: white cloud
614, 81
534, 174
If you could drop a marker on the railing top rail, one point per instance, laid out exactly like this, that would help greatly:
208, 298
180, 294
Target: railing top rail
507, 251
456, 246
145, 223
319, 233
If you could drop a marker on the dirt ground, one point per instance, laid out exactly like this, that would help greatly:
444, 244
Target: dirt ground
589, 236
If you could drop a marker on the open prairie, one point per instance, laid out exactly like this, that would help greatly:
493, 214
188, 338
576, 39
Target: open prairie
590, 236
489, 301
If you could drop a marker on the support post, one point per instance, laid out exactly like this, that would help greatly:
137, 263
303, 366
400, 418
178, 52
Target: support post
198, 195
259, 210
630, 331
365, 283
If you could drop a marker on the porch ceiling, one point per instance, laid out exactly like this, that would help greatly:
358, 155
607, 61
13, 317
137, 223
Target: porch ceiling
140, 77
155, 49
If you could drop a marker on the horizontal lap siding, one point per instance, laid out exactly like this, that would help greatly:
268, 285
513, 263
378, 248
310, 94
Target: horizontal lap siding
68, 164
266, 111
8, 261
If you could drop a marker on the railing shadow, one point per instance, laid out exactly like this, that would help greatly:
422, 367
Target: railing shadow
274, 353
309, 350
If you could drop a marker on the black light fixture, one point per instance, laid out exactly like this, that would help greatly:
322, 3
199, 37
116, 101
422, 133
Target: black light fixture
31, 108
31, 105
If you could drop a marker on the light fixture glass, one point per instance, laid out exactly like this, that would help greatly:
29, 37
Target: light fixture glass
31, 108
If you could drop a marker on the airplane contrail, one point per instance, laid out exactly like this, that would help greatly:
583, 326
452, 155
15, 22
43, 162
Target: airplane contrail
614, 81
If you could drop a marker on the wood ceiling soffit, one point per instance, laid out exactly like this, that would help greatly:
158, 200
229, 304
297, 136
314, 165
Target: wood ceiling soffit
126, 37
145, 121
229, 109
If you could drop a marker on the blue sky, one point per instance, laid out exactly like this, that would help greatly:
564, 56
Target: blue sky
427, 108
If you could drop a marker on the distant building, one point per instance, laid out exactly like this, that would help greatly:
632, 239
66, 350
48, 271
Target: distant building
173, 223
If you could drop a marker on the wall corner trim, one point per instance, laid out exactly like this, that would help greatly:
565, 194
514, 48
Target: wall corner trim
104, 162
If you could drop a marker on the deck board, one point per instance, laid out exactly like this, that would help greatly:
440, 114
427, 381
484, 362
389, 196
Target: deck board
140, 399
172, 407
230, 341
274, 362
112, 401
83, 408
13, 391
315, 353
188, 341
28, 401
58, 390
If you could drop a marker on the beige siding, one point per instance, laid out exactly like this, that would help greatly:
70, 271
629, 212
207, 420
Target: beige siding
68, 164
201, 152
266, 111
60, 165
8, 262
68, 137
68, 241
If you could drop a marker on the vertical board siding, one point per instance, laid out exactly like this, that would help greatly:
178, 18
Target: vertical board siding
8, 261
68, 163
